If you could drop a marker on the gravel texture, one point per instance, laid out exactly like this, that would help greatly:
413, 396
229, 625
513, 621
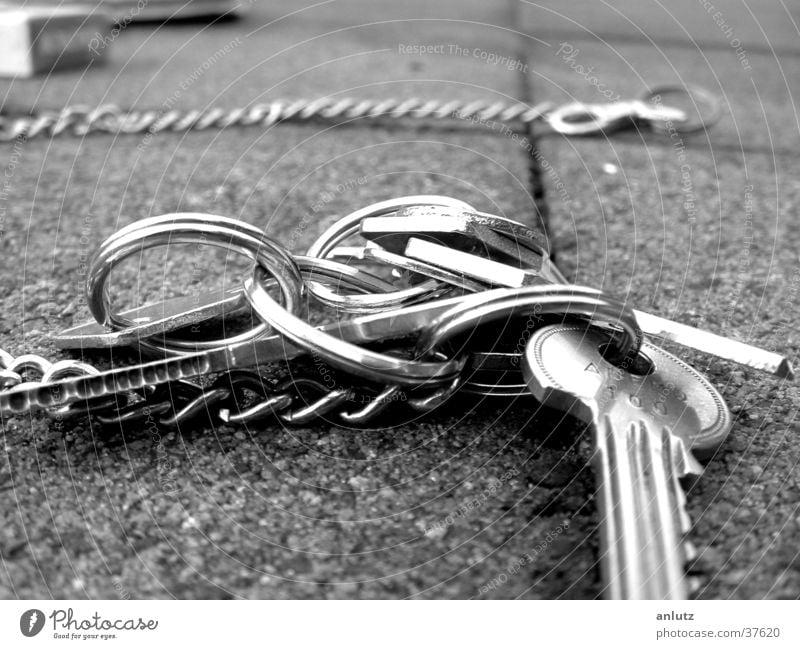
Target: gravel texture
289, 51
483, 499
734, 270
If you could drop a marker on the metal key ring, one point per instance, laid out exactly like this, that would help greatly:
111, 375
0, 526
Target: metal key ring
355, 278
378, 296
199, 229
376, 253
349, 225
312, 268
373, 366
187, 219
697, 95
558, 299
376, 302
352, 277
373, 294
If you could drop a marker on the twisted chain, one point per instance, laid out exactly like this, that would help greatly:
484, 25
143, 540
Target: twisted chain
296, 400
83, 120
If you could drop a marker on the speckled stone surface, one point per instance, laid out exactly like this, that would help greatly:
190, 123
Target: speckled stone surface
483, 499
757, 103
264, 511
290, 50
710, 25
699, 228
725, 260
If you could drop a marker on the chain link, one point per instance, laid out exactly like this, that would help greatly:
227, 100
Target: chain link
575, 118
17, 371
295, 400
83, 120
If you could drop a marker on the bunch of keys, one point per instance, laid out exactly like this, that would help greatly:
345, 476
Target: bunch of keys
651, 414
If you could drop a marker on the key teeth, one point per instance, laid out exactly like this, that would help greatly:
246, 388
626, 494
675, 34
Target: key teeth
674, 447
652, 459
785, 370
694, 585
689, 552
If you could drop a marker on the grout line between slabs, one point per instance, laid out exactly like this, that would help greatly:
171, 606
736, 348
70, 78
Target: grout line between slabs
527, 95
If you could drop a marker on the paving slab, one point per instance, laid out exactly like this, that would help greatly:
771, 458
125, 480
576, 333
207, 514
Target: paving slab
284, 50
483, 499
697, 228
446, 506
706, 237
765, 27
758, 97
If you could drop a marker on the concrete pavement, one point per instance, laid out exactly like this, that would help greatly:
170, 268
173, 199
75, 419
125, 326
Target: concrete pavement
324, 511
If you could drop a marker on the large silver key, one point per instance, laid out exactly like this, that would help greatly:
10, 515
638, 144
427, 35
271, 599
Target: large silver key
645, 419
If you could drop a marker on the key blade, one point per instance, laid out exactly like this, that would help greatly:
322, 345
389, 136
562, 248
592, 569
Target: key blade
640, 525
682, 464
643, 425
152, 319
659, 513
463, 231
699, 340
374, 252
710, 343
531, 238
485, 271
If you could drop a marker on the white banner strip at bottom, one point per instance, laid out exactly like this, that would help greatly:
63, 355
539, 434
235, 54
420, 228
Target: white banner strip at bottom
401, 624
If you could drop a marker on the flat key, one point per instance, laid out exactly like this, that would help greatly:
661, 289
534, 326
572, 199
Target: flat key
459, 230
643, 422
391, 325
652, 325
374, 252
518, 232
153, 319
486, 271
707, 342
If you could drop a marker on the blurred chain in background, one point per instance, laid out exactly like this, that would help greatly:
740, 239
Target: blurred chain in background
570, 119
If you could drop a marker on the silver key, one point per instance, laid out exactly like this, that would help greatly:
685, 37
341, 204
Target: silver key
643, 424
653, 325
392, 325
486, 271
374, 252
518, 232
153, 319
463, 231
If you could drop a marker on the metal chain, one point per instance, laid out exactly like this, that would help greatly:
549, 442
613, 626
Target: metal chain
16, 371
83, 120
295, 400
